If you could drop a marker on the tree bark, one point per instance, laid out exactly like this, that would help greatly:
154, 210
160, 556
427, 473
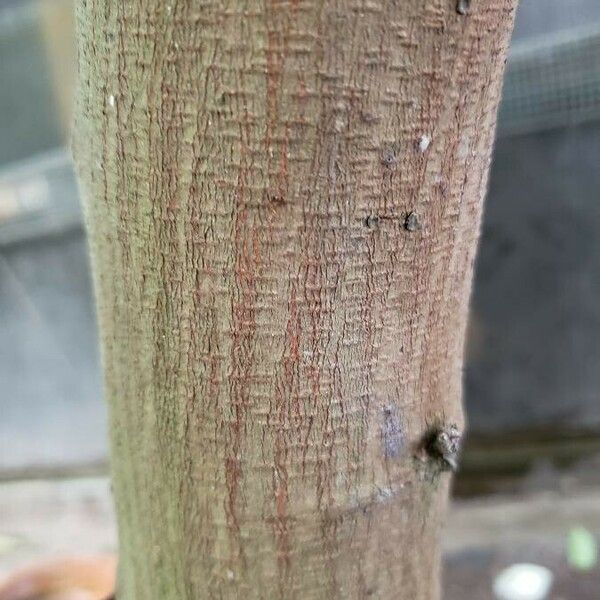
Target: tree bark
283, 201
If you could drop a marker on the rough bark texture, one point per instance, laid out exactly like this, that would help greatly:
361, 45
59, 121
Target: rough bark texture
283, 201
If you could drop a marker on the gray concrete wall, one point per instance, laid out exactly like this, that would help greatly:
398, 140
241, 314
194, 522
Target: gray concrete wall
535, 345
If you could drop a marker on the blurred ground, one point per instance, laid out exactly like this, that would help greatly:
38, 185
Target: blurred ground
52, 518
469, 575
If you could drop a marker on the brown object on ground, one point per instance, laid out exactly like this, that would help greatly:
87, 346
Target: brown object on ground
65, 579
279, 342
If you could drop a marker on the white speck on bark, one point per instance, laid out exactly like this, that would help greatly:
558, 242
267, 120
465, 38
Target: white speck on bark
424, 142
463, 7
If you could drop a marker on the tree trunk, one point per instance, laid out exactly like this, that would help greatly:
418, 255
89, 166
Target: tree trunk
283, 201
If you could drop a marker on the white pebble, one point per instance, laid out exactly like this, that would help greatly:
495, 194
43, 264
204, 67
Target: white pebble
112, 100
523, 581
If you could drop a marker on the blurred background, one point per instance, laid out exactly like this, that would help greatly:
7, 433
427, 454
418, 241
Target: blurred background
529, 487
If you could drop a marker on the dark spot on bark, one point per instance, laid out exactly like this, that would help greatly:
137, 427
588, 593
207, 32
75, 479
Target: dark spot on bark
372, 221
443, 189
389, 157
411, 223
391, 431
277, 199
369, 118
444, 446
463, 7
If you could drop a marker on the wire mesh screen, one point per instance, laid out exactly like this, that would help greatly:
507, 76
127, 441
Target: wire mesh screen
552, 82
